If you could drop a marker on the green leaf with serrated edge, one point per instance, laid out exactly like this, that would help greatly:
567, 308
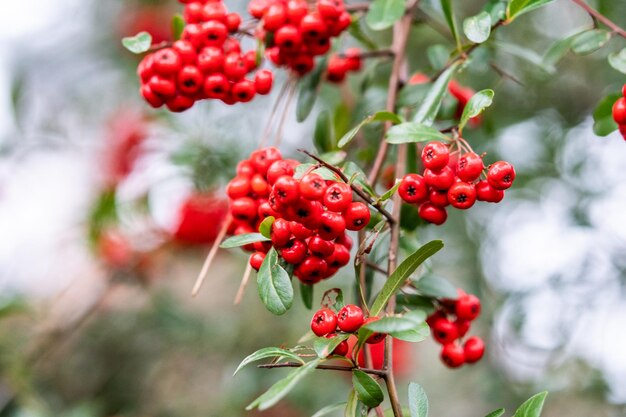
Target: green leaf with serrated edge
436, 287
603, 123
282, 387
324, 346
496, 413
438, 56
475, 106
367, 389
242, 240
306, 292
519, 7
478, 28
139, 43
356, 31
446, 6
334, 158
402, 273
533, 406
274, 285
178, 25
329, 409
323, 134
390, 192
590, 41
352, 170
427, 112
268, 352
308, 90
265, 228
418, 401
381, 116
618, 60
411, 132
382, 14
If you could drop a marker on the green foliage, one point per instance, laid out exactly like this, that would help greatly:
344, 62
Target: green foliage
496, 413
477, 104
448, 13
380, 116
436, 287
329, 409
178, 25
418, 401
274, 285
412, 132
325, 346
308, 89
367, 389
265, 228
265, 353
478, 28
533, 406
429, 108
618, 60
382, 14
323, 135
517, 8
603, 123
139, 43
243, 240
411, 327
306, 292
590, 41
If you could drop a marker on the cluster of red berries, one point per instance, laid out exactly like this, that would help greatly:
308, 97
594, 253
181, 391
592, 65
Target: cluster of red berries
311, 214
456, 182
207, 63
619, 112
348, 320
450, 332
340, 65
296, 31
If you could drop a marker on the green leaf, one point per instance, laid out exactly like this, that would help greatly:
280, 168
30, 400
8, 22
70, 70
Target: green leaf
416, 301
618, 60
526, 54
308, 90
389, 412
265, 228
356, 31
274, 285
436, 287
329, 409
430, 106
478, 28
352, 170
418, 401
334, 158
411, 328
477, 104
9, 307
412, 132
354, 408
242, 240
412, 94
178, 25
324, 346
446, 6
333, 299
139, 43
376, 117
496, 413
557, 51
268, 352
382, 14
519, 7
367, 389
282, 387
390, 192
323, 137
533, 406
590, 41
438, 56
496, 9
402, 273
306, 291
603, 123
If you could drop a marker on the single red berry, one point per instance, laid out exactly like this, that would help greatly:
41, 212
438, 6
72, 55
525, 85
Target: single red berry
287, 190
462, 195
180, 103
164, 87
444, 331
619, 111
438, 197
233, 21
462, 327
312, 186
262, 247
433, 214
434, 317
288, 38
300, 231
337, 69
278, 169
257, 8
151, 97
313, 27
194, 34
193, 12
375, 337
473, 349
622, 130
294, 251
340, 257
186, 51
342, 348
296, 10
501, 175
243, 90
244, 209
211, 59
318, 46
263, 81
344, 240
441, 180
234, 66
320, 247
469, 167
435, 156
341, 24
307, 212
332, 225
216, 86
452, 355
275, 17
262, 159
167, 61
190, 80
281, 232
214, 33
259, 185
357, 216
265, 210
214, 10
238, 187
338, 197
467, 307
330, 9
353, 55
302, 64
311, 270
413, 189
324, 322
245, 168
350, 318
145, 69
250, 59
231, 45
485, 192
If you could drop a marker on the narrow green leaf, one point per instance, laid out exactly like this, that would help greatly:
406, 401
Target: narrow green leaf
557, 51
402, 273
390, 192
519, 7
412, 132
478, 28
436, 287
415, 301
429, 108
380, 116
477, 104
323, 137
533, 406
268, 352
265, 228
411, 327
274, 285
382, 14
334, 158
329, 409
324, 346
618, 60
308, 90
603, 123
367, 389
390, 325
418, 401
242, 240
282, 387
353, 405
496, 413
438, 56
306, 291
446, 6
590, 41
139, 43
178, 25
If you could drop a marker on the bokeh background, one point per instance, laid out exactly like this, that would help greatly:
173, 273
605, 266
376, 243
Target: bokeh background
107, 209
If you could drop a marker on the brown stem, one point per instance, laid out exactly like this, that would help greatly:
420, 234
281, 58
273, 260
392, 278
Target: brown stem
376, 267
209, 259
377, 205
357, 7
601, 18
372, 54
376, 372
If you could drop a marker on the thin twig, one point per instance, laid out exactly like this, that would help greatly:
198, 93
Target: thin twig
209, 259
502, 73
371, 54
376, 372
376, 268
602, 18
244, 283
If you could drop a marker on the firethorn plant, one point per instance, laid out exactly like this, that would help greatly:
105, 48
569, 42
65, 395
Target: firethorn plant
309, 219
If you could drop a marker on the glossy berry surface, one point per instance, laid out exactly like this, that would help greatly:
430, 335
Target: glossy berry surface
324, 322
350, 318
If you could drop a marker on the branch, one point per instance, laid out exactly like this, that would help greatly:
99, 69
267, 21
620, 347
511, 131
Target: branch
601, 18
376, 372
355, 188
371, 54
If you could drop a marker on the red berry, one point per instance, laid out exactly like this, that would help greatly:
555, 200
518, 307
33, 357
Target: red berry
307, 212
211, 59
278, 169
263, 81
190, 80
287, 190
473, 349
462, 195
151, 97
245, 169
330, 9
193, 12
238, 187
214, 11
435, 156
275, 17
462, 327
312, 186
313, 27
357, 216
441, 180
180, 103
340, 257
167, 61
318, 46
501, 175
444, 331
350, 318
233, 20
281, 232
145, 69
302, 64
433, 214
288, 38
257, 8
353, 55
311, 270
194, 34
619, 111
320, 247
234, 66
341, 24
259, 186
243, 90
265, 210
344, 240
324, 322
375, 337
438, 197
342, 348
485, 192
164, 87
467, 307
296, 10
469, 167
300, 231
337, 69
186, 51
452, 355
216, 86
294, 251
262, 159
338, 197
244, 209
413, 189
332, 225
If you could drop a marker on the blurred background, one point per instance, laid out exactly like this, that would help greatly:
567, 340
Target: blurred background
108, 208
